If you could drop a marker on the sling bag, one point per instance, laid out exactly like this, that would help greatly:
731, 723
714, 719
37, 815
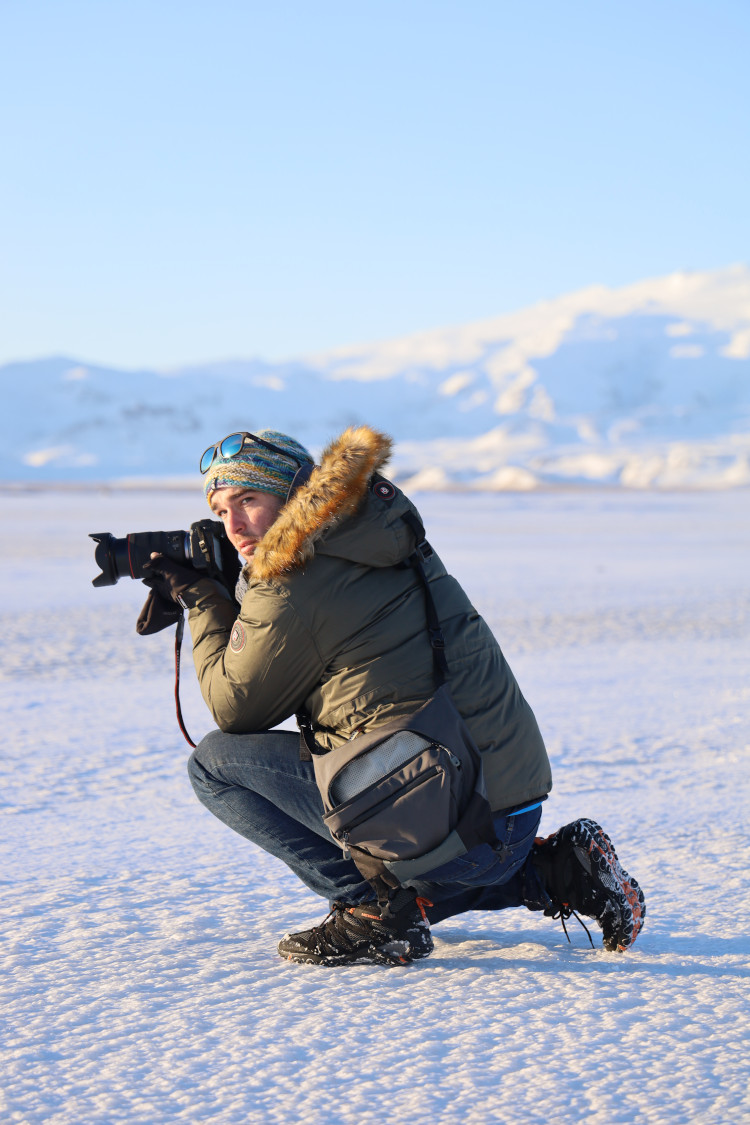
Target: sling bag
409, 796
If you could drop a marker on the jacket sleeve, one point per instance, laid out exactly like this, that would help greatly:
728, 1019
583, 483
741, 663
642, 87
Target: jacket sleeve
255, 669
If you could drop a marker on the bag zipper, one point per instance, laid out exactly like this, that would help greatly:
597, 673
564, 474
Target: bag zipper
431, 745
454, 759
344, 836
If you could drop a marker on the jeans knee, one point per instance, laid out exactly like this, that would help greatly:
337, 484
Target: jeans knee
198, 776
202, 762
194, 767
206, 755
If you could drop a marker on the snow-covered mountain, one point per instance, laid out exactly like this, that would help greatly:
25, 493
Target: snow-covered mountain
643, 386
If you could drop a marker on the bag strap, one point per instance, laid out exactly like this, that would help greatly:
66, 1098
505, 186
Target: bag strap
307, 746
416, 560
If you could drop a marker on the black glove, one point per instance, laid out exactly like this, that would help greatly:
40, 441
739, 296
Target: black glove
158, 613
172, 579
169, 585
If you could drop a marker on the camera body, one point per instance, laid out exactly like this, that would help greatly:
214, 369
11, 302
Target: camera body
204, 547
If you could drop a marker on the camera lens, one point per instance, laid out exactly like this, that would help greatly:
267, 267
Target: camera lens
111, 557
125, 558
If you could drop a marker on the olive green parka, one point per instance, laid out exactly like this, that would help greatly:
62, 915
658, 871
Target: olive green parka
332, 625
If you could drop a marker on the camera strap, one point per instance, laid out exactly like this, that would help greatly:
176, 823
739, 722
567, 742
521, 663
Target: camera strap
179, 633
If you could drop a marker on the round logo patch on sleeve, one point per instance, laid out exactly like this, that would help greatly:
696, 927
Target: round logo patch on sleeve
237, 638
384, 489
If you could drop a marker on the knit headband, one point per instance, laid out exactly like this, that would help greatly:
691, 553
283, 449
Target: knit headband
257, 467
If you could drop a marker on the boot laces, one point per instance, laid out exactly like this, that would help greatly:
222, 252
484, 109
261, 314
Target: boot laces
338, 931
564, 913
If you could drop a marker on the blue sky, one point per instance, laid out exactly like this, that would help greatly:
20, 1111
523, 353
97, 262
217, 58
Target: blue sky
193, 181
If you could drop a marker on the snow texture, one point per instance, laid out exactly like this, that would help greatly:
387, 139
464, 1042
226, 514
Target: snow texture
644, 387
140, 977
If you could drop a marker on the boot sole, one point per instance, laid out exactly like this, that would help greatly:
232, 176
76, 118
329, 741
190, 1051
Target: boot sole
596, 852
389, 954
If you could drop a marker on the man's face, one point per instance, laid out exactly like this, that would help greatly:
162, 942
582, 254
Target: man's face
246, 515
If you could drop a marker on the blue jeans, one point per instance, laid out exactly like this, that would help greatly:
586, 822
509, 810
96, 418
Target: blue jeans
256, 784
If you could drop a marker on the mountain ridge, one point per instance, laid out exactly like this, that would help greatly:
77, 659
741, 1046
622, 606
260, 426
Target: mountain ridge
647, 385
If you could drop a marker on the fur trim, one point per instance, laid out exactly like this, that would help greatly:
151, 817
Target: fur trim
333, 492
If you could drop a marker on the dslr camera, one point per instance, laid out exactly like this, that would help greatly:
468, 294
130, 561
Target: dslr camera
204, 547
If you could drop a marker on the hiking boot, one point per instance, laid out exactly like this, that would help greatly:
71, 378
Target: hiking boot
395, 934
581, 874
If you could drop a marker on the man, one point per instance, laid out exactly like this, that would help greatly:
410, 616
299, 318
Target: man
331, 624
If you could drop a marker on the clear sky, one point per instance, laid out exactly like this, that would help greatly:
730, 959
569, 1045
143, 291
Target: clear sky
188, 181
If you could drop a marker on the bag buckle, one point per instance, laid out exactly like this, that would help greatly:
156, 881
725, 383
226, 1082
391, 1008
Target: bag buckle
437, 640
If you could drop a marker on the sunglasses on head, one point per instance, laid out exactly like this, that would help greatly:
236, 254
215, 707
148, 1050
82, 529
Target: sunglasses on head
233, 444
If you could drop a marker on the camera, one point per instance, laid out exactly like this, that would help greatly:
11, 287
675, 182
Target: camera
205, 548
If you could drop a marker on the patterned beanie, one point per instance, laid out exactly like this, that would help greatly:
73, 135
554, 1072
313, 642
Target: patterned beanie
257, 467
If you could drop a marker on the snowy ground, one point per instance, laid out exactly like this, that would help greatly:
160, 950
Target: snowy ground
140, 977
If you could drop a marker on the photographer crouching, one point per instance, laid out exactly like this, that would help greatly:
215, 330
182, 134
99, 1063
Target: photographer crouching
414, 792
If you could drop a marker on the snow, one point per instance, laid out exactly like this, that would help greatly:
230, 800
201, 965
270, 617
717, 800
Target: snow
140, 977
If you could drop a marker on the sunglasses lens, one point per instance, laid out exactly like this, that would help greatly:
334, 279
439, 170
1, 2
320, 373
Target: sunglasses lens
207, 459
231, 445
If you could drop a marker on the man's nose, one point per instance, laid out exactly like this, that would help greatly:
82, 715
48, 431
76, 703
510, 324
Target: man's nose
236, 521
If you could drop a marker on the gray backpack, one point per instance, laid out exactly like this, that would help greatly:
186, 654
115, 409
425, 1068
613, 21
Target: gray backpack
409, 796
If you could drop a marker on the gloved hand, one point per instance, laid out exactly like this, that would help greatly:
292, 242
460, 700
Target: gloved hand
168, 586
171, 579
158, 613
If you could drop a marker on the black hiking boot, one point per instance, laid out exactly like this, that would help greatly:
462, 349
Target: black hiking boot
365, 935
580, 872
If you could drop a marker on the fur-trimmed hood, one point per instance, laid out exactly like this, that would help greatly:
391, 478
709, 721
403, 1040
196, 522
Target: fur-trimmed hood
330, 514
